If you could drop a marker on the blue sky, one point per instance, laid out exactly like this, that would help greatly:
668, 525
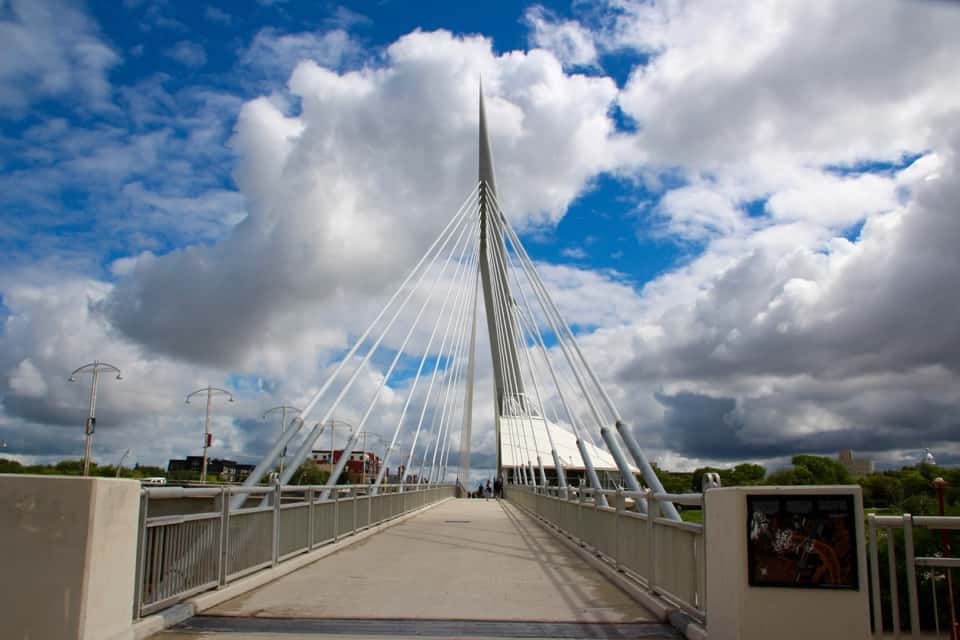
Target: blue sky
742, 209
187, 48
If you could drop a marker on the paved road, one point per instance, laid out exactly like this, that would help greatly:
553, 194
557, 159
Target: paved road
467, 568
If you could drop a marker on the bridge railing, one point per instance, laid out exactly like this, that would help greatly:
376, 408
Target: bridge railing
885, 598
665, 556
182, 554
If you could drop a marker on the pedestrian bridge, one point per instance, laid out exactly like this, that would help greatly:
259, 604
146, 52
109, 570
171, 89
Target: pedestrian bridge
579, 548
463, 568
406, 562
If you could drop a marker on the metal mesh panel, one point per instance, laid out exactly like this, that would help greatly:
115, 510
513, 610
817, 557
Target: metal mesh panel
179, 557
323, 530
294, 528
345, 516
251, 540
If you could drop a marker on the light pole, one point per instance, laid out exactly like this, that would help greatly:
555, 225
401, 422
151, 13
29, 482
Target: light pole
334, 425
120, 464
363, 448
93, 368
283, 425
210, 391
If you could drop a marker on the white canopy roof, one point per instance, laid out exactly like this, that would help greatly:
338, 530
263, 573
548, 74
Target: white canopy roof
514, 428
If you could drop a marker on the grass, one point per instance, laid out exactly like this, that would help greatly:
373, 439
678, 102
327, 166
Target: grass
692, 515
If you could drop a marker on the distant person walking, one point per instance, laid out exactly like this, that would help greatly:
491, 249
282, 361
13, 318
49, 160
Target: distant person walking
498, 487
488, 492
479, 493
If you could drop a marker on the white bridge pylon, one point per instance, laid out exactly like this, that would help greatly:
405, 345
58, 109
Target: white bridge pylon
549, 405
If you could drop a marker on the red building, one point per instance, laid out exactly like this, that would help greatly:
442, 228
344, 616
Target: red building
355, 463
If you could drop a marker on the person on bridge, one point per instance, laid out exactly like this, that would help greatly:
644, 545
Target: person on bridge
498, 487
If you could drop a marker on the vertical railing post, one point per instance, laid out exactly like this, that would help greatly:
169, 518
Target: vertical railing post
369, 508
336, 513
703, 553
653, 509
310, 517
224, 534
354, 491
141, 554
580, 516
620, 504
276, 524
894, 592
911, 567
875, 575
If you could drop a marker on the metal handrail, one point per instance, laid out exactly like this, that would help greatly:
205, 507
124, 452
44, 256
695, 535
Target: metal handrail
184, 554
906, 522
647, 529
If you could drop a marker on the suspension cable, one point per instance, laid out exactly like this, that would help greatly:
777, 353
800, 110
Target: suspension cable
500, 311
519, 433
433, 377
335, 476
304, 450
584, 454
450, 373
416, 378
298, 421
522, 345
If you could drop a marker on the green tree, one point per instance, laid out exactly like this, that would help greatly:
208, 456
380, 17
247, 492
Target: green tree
148, 471
823, 470
183, 474
743, 475
673, 482
10, 466
881, 490
311, 473
72, 467
791, 476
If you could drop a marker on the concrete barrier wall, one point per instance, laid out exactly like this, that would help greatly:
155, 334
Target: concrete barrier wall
68, 550
736, 610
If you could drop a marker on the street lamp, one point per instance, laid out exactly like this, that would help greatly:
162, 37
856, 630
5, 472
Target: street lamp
283, 425
363, 447
120, 464
93, 368
210, 391
334, 425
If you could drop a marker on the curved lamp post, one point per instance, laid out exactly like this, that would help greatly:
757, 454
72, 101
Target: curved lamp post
210, 391
334, 425
363, 447
120, 464
283, 425
94, 368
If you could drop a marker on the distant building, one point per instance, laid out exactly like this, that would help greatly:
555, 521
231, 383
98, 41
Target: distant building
359, 463
226, 470
855, 467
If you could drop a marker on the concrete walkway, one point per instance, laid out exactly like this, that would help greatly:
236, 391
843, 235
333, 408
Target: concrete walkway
465, 568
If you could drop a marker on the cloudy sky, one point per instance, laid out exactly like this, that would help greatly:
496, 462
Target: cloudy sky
749, 211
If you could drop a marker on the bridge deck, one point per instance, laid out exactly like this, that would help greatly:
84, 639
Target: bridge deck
482, 563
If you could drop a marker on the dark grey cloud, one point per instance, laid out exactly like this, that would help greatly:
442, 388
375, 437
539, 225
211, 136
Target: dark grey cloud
853, 346
700, 426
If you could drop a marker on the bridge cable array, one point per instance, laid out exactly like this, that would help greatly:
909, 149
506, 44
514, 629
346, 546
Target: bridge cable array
531, 344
